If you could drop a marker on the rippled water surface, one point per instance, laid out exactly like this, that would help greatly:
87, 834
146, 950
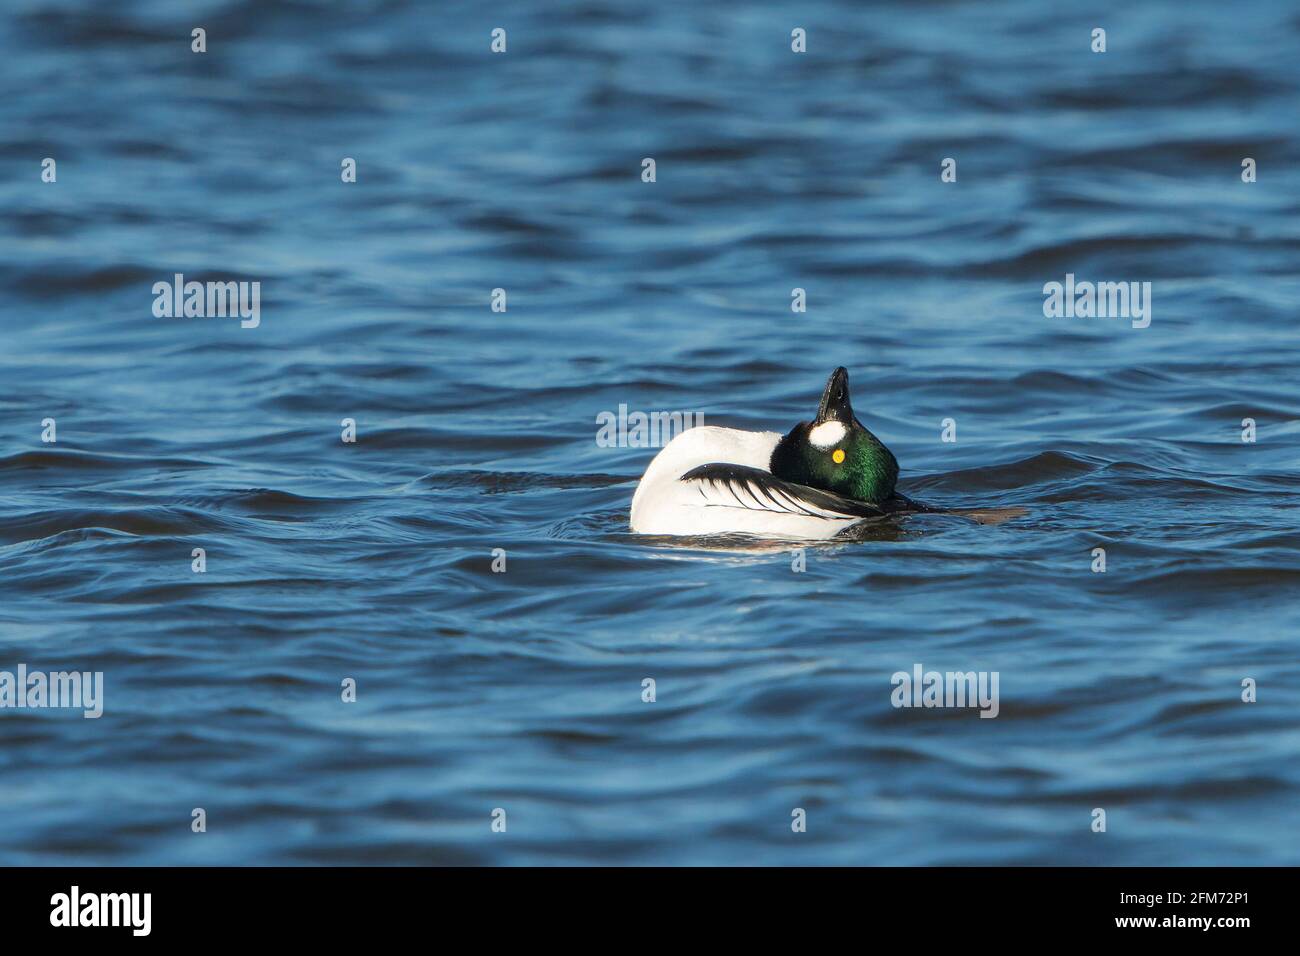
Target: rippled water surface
476, 431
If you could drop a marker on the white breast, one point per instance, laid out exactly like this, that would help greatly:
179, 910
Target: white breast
663, 504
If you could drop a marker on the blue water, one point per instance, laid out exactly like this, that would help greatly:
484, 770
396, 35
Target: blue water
476, 431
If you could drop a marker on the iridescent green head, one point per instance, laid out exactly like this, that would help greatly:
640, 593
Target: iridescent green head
834, 452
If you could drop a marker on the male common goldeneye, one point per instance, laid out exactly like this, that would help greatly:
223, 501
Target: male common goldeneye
814, 482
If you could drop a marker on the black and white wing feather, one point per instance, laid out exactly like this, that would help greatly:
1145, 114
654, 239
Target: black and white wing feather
723, 485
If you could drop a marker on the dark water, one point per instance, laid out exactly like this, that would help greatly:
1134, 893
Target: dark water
476, 431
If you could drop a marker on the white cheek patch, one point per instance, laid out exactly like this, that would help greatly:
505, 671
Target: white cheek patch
827, 434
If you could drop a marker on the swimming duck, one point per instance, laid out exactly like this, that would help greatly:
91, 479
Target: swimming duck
813, 482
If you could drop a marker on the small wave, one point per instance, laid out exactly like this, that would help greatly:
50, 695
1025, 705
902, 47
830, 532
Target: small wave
74, 460
504, 482
142, 522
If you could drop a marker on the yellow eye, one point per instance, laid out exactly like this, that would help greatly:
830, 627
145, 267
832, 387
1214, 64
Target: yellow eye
838, 455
